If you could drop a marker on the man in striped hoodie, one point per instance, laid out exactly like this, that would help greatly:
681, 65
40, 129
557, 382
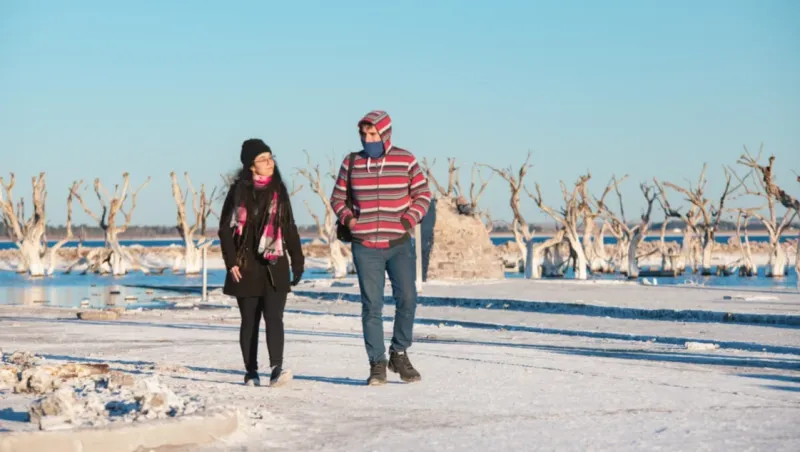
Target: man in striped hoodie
390, 196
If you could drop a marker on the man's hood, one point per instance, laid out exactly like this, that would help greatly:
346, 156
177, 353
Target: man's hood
381, 120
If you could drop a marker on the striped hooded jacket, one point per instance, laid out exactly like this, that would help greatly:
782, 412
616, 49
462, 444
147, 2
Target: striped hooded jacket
390, 194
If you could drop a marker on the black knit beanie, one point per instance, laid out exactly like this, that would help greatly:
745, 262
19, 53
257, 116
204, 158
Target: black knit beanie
251, 149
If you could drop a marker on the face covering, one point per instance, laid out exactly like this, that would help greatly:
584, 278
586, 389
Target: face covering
373, 150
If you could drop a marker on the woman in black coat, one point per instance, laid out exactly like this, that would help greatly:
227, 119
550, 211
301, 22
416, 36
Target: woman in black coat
257, 231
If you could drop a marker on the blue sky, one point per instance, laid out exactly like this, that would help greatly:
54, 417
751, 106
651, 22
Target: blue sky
91, 88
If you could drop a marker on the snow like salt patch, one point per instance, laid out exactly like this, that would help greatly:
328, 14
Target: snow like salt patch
751, 298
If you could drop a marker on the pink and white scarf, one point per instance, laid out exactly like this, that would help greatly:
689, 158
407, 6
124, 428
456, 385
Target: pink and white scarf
270, 245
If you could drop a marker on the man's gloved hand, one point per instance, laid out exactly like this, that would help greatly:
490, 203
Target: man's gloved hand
296, 277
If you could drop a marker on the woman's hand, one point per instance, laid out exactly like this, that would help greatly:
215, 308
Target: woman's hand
237, 275
296, 277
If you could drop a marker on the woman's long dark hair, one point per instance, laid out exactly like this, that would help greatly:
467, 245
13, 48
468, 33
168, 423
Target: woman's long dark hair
244, 194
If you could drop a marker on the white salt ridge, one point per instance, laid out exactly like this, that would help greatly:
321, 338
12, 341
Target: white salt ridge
74, 400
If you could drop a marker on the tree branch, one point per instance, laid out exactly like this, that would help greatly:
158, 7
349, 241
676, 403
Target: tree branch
516, 185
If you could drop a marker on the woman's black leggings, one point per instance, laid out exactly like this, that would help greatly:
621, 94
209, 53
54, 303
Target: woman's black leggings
271, 307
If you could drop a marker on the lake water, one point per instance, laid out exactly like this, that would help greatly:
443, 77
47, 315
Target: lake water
76, 290
77, 294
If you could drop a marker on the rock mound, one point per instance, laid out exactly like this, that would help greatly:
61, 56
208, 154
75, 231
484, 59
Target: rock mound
457, 247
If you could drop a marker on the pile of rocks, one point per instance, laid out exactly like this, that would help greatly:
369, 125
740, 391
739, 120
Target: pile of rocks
457, 247
89, 395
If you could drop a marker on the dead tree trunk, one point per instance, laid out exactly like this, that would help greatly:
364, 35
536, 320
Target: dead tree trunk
523, 234
600, 248
593, 244
666, 262
618, 225
114, 258
773, 195
621, 234
568, 218
709, 213
629, 239
639, 232
747, 268
537, 264
688, 255
668, 255
28, 233
522, 238
797, 258
53, 252
340, 265
201, 210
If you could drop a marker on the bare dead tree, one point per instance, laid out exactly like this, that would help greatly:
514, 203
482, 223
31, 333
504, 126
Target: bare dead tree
523, 235
452, 178
689, 250
766, 188
188, 226
554, 262
295, 189
594, 237
618, 226
27, 233
476, 190
568, 218
640, 231
522, 232
797, 243
629, 238
710, 213
668, 254
53, 252
117, 258
326, 231
747, 267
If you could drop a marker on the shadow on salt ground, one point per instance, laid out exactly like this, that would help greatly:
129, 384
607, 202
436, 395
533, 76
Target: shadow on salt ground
779, 378
747, 346
331, 380
711, 358
672, 357
782, 378
8, 414
791, 321
671, 340
338, 381
783, 388
137, 324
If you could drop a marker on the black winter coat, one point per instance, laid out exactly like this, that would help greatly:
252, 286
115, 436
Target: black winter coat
258, 276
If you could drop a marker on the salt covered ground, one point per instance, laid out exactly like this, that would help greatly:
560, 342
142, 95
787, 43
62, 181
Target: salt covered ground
494, 379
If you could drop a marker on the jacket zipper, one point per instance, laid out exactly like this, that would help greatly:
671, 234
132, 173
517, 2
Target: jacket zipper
378, 185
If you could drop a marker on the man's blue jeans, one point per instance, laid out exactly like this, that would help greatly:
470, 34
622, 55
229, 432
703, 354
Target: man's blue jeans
372, 264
